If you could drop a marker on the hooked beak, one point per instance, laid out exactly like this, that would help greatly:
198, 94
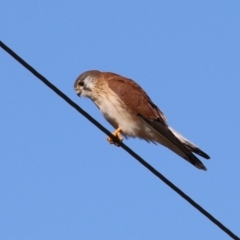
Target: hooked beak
78, 92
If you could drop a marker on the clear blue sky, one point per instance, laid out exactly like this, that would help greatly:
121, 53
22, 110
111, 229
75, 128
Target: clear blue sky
59, 177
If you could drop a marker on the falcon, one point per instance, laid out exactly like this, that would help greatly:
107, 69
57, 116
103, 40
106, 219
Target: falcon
128, 108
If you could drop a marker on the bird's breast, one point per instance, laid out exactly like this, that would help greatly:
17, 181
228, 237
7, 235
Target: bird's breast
117, 114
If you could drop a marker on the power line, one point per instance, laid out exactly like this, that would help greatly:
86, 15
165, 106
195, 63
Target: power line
126, 148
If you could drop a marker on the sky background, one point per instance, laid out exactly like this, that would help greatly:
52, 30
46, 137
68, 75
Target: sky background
59, 177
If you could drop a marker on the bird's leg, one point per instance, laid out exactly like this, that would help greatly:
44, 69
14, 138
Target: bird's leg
118, 138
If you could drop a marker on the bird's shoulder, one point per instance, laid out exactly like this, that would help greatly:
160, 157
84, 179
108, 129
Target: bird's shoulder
133, 96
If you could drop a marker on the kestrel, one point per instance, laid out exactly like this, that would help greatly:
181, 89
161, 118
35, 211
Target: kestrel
128, 108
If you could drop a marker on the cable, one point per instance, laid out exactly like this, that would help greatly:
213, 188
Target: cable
126, 148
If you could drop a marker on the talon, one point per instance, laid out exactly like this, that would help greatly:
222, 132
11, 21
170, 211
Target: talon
117, 134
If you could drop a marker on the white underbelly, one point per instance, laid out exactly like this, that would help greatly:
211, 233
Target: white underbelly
116, 113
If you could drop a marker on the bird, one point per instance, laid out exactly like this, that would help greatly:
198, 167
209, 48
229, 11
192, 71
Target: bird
128, 108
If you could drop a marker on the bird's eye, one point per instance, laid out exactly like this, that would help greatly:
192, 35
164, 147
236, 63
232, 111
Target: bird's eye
81, 83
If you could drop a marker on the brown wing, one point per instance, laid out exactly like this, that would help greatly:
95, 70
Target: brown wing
135, 97
139, 103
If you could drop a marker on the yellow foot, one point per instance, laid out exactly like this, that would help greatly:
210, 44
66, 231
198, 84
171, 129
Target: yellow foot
118, 138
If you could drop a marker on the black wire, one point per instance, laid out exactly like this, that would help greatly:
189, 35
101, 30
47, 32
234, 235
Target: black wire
126, 148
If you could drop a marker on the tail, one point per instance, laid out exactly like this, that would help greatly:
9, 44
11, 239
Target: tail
173, 140
189, 145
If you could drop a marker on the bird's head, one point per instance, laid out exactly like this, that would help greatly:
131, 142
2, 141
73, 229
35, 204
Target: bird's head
85, 83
